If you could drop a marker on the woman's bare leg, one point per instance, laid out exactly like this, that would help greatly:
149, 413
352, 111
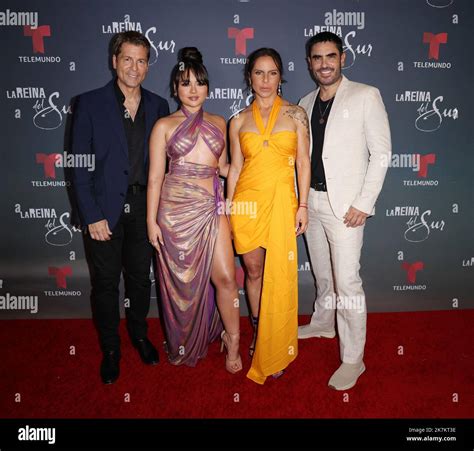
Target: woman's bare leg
254, 263
223, 278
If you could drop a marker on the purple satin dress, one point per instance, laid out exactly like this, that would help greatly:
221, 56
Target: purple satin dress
188, 216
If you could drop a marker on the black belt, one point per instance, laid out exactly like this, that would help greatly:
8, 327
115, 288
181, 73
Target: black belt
319, 186
136, 188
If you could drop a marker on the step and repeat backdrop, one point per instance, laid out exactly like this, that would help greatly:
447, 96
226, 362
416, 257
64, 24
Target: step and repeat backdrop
418, 252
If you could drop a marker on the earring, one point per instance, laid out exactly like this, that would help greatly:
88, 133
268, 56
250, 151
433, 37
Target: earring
279, 89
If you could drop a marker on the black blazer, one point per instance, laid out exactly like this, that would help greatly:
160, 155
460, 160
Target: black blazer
98, 129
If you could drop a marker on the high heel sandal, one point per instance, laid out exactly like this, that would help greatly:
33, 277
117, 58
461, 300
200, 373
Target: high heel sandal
235, 365
278, 374
254, 339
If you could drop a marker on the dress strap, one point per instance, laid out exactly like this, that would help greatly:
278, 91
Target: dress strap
185, 137
266, 131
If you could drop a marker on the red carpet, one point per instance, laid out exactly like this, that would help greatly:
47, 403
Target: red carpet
436, 364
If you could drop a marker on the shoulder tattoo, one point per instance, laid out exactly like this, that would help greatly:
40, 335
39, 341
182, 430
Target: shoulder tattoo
297, 113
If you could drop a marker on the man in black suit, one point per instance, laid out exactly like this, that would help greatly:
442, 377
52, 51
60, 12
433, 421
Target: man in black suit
113, 124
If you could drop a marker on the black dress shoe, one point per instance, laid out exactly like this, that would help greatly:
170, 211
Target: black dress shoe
147, 351
110, 367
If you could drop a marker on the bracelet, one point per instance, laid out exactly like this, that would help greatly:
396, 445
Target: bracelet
304, 206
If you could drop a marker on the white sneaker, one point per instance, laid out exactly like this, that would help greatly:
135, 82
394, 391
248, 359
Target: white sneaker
346, 376
310, 331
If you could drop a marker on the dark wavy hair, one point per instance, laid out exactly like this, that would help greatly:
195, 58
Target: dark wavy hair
324, 36
189, 59
255, 55
130, 37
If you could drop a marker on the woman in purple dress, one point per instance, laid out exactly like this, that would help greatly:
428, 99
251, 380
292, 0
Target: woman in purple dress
187, 224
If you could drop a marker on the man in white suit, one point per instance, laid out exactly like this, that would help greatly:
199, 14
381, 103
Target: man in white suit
350, 143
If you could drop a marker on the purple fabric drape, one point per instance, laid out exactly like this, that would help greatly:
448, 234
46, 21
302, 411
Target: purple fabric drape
189, 220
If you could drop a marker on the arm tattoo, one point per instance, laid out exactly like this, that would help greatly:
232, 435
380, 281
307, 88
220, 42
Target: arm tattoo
298, 114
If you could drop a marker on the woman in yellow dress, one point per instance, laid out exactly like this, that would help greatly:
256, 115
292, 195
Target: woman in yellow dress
267, 140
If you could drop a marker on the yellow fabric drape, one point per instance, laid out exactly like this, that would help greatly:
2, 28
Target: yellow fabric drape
263, 215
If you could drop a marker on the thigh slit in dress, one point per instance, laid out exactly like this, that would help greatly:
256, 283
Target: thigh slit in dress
188, 216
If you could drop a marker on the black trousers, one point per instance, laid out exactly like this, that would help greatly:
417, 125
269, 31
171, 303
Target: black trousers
129, 251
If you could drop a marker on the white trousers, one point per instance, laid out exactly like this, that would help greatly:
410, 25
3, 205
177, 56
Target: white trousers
334, 250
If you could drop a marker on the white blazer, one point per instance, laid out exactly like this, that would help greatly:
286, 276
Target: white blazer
357, 146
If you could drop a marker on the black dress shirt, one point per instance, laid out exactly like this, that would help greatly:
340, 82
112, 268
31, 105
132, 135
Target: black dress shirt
135, 133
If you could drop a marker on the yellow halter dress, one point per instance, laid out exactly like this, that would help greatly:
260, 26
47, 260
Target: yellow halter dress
263, 215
